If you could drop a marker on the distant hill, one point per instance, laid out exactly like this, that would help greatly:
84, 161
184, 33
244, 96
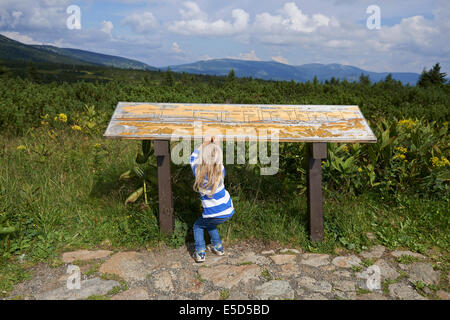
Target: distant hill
97, 58
271, 70
15, 50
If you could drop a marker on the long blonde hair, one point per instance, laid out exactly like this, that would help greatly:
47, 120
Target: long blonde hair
210, 164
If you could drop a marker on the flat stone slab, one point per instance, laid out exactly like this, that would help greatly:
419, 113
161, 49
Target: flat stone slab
213, 295
212, 260
274, 290
132, 294
344, 285
443, 295
371, 296
346, 262
187, 281
289, 270
424, 272
289, 251
129, 265
82, 255
227, 276
283, 258
250, 257
398, 254
374, 253
314, 285
315, 259
387, 272
163, 281
88, 288
314, 296
404, 292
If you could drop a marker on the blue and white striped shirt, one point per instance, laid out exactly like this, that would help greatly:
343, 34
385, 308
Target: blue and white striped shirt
219, 205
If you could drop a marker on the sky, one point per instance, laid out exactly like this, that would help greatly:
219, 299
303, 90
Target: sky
411, 35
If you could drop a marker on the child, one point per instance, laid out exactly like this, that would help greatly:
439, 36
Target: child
209, 172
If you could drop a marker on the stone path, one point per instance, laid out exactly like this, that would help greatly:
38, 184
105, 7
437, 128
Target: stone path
246, 271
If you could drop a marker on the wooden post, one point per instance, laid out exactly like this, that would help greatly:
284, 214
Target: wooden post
165, 198
315, 153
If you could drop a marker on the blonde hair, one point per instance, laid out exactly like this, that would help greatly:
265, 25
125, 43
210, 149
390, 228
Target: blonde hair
210, 164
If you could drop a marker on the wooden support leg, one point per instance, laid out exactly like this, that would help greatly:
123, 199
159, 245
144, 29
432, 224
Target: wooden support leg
166, 218
315, 153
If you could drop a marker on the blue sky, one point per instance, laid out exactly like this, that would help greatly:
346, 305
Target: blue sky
414, 34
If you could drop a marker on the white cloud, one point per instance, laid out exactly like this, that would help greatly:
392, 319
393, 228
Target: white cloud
107, 27
206, 57
291, 20
192, 11
141, 22
19, 37
280, 59
414, 30
176, 48
250, 56
196, 22
39, 14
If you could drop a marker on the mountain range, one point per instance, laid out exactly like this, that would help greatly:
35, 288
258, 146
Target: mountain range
271, 70
267, 70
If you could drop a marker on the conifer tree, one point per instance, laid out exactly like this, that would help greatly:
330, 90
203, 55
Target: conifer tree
432, 77
168, 78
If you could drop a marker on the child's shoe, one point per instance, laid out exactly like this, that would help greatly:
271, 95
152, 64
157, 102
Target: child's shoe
218, 249
199, 256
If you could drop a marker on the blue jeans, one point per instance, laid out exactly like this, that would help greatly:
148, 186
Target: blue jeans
209, 224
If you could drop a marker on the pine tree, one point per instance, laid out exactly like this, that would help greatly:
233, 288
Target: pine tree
231, 76
185, 79
32, 73
4, 71
315, 80
168, 78
364, 79
432, 77
389, 78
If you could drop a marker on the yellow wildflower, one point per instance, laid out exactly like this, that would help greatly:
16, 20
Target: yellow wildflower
97, 145
399, 156
62, 117
55, 118
75, 127
21, 147
407, 123
44, 123
360, 170
401, 149
436, 162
